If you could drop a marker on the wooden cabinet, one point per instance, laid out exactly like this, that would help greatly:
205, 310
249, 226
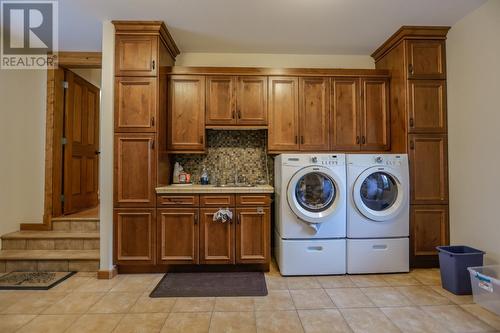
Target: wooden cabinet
253, 235
345, 127
221, 100
236, 100
251, 101
427, 106
283, 133
216, 239
135, 170
136, 55
314, 113
428, 229
134, 236
178, 232
428, 169
374, 114
135, 104
186, 114
426, 59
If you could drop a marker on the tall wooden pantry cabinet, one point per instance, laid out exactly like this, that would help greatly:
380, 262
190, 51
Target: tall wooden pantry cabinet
142, 51
416, 59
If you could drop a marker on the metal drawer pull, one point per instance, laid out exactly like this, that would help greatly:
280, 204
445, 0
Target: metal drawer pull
380, 247
315, 248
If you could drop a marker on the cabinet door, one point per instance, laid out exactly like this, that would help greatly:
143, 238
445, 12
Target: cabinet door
314, 115
253, 235
375, 121
135, 104
428, 169
252, 100
345, 130
216, 239
135, 170
186, 114
136, 55
429, 228
283, 114
221, 100
134, 231
426, 59
427, 106
178, 233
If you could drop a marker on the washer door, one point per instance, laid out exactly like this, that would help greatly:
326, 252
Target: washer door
313, 193
379, 194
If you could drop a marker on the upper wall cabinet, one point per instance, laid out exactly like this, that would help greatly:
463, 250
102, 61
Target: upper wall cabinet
186, 114
427, 106
220, 105
283, 114
136, 55
426, 59
346, 131
314, 113
251, 102
135, 104
236, 100
375, 121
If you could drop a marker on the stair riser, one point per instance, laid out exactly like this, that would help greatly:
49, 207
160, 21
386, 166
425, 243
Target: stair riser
49, 265
75, 226
50, 244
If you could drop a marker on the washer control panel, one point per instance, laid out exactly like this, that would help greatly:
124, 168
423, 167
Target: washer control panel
389, 161
327, 160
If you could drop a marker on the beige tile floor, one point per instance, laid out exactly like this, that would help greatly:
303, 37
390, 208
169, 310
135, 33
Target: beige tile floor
412, 302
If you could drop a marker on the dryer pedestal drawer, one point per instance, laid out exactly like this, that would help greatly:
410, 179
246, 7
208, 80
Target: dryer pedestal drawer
385, 255
310, 257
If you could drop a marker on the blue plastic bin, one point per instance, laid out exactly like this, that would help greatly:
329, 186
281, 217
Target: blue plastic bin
453, 263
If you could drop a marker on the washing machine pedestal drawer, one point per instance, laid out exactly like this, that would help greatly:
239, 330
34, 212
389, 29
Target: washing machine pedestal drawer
384, 255
311, 257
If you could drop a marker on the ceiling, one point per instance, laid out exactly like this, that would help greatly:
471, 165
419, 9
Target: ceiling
261, 26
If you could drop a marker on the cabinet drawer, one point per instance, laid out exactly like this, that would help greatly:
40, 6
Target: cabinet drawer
217, 200
253, 200
178, 200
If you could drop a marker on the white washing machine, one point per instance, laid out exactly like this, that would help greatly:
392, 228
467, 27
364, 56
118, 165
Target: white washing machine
377, 213
310, 208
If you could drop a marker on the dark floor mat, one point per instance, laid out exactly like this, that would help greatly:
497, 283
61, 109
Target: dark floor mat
211, 285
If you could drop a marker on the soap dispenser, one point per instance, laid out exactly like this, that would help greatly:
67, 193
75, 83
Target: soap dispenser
204, 179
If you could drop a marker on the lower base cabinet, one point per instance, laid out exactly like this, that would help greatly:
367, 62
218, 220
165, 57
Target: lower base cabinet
178, 232
216, 239
429, 229
253, 239
134, 236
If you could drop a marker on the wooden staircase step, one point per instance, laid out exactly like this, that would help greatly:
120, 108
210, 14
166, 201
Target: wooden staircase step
50, 235
49, 255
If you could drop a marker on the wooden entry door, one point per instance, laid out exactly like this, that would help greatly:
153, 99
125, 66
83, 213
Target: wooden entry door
81, 144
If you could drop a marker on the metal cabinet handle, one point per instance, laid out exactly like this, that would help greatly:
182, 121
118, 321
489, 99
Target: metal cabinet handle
238, 219
412, 145
234, 114
152, 121
153, 64
363, 140
195, 218
357, 139
239, 113
152, 144
410, 69
411, 122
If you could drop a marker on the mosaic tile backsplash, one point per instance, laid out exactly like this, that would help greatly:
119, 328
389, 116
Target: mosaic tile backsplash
231, 153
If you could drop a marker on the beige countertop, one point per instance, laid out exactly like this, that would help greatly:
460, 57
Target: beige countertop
179, 189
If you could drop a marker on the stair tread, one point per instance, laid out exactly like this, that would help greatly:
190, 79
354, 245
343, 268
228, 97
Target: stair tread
50, 235
49, 254
75, 219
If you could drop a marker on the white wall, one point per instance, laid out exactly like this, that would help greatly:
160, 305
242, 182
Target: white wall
473, 56
106, 146
92, 75
274, 60
22, 147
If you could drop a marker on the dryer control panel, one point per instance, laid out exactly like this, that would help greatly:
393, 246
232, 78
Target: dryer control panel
390, 160
327, 160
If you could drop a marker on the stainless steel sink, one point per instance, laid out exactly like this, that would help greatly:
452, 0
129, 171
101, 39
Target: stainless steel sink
235, 185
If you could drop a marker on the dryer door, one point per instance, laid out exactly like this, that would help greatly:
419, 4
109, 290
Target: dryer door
314, 193
379, 194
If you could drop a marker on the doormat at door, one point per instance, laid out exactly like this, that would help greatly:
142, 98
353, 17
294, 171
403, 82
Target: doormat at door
32, 280
211, 284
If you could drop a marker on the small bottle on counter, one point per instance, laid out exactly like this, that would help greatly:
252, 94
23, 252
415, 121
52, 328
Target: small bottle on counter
204, 179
